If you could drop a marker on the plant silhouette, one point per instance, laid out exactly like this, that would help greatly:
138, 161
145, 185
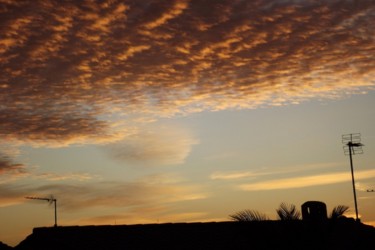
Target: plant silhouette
338, 212
248, 215
288, 212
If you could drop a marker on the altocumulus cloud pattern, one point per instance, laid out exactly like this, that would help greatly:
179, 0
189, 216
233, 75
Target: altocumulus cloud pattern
71, 70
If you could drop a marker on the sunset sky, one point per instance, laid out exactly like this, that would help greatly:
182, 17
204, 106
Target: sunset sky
154, 111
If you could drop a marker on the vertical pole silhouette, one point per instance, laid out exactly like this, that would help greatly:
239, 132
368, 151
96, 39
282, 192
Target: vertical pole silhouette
50, 200
353, 181
54, 200
353, 146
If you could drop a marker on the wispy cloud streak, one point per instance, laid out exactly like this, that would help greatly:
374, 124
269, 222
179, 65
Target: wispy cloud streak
63, 177
153, 191
307, 181
232, 175
235, 175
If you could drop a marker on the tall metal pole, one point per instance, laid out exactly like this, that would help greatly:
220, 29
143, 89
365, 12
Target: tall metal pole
353, 146
55, 212
350, 145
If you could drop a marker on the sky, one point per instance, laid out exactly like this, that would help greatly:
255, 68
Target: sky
157, 111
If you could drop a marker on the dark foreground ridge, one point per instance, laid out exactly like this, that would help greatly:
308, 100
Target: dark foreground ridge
342, 234
4, 246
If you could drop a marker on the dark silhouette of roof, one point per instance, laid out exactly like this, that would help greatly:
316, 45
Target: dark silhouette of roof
341, 234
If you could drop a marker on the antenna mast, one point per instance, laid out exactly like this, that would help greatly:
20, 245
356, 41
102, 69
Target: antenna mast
353, 146
50, 200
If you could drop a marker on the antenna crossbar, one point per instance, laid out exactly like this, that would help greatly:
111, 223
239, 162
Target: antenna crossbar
39, 198
50, 200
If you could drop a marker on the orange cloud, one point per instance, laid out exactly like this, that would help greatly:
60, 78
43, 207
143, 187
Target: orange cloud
166, 13
232, 175
66, 67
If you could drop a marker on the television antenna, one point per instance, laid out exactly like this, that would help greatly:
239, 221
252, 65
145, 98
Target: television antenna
352, 147
50, 201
